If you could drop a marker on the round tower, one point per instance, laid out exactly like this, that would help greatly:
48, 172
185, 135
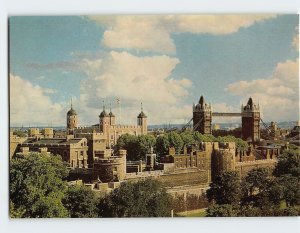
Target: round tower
112, 117
72, 120
142, 121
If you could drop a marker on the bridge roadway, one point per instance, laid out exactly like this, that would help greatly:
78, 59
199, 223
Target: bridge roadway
231, 114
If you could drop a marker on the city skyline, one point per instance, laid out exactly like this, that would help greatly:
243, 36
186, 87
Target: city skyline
164, 61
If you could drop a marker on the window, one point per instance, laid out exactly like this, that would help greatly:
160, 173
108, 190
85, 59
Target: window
81, 153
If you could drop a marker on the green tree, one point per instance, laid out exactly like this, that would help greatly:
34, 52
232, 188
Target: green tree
225, 189
145, 143
255, 186
20, 133
131, 144
139, 199
175, 141
80, 201
291, 190
36, 185
204, 137
239, 143
288, 163
187, 138
225, 210
162, 145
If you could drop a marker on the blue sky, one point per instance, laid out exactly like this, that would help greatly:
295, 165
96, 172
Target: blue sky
166, 62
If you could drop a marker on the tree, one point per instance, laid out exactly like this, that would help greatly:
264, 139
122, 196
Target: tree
80, 201
291, 190
140, 199
288, 163
130, 143
255, 186
225, 189
162, 145
37, 186
222, 211
203, 137
187, 138
145, 143
175, 141
239, 143
137, 146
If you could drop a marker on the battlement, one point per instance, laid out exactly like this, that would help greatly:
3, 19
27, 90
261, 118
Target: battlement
126, 127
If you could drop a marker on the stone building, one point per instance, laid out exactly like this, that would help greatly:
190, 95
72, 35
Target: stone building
202, 117
251, 125
105, 134
72, 150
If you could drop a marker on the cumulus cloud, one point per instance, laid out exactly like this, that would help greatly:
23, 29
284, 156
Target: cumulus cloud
278, 95
31, 104
296, 39
135, 79
154, 32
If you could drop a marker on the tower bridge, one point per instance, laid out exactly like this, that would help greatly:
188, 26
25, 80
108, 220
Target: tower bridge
250, 115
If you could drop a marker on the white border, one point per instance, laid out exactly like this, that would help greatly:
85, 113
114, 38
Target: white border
82, 7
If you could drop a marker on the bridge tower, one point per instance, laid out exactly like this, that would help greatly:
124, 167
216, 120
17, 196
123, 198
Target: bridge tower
251, 121
202, 117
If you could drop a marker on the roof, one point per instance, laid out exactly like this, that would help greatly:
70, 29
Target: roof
111, 114
142, 115
103, 114
71, 112
48, 141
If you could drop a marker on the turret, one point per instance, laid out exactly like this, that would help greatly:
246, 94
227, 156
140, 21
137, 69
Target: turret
202, 117
142, 120
72, 120
104, 121
112, 117
251, 121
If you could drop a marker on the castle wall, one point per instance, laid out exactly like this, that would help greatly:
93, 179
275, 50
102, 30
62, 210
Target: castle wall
244, 167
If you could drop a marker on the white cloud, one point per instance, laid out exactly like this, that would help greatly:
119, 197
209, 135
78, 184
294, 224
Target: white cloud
135, 79
153, 32
296, 39
31, 104
278, 95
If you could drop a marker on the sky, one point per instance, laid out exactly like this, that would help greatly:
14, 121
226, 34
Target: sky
164, 61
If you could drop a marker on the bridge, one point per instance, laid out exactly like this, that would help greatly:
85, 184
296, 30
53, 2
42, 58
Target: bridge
250, 115
231, 114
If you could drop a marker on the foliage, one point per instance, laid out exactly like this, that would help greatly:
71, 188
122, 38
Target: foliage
239, 143
20, 133
288, 163
187, 138
140, 199
225, 210
80, 201
203, 137
175, 141
225, 189
36, 185
136, 146
162, 145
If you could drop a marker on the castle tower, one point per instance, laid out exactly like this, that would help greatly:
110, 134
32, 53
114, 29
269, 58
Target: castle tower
112, 117
251, 121
202, 117
104, 121
142, 121
72, 120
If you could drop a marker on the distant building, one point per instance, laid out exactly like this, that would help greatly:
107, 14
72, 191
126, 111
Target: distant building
72, 150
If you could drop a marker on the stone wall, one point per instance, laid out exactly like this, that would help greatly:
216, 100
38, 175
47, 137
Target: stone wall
244, 167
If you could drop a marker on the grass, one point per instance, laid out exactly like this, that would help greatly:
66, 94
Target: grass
193, 213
